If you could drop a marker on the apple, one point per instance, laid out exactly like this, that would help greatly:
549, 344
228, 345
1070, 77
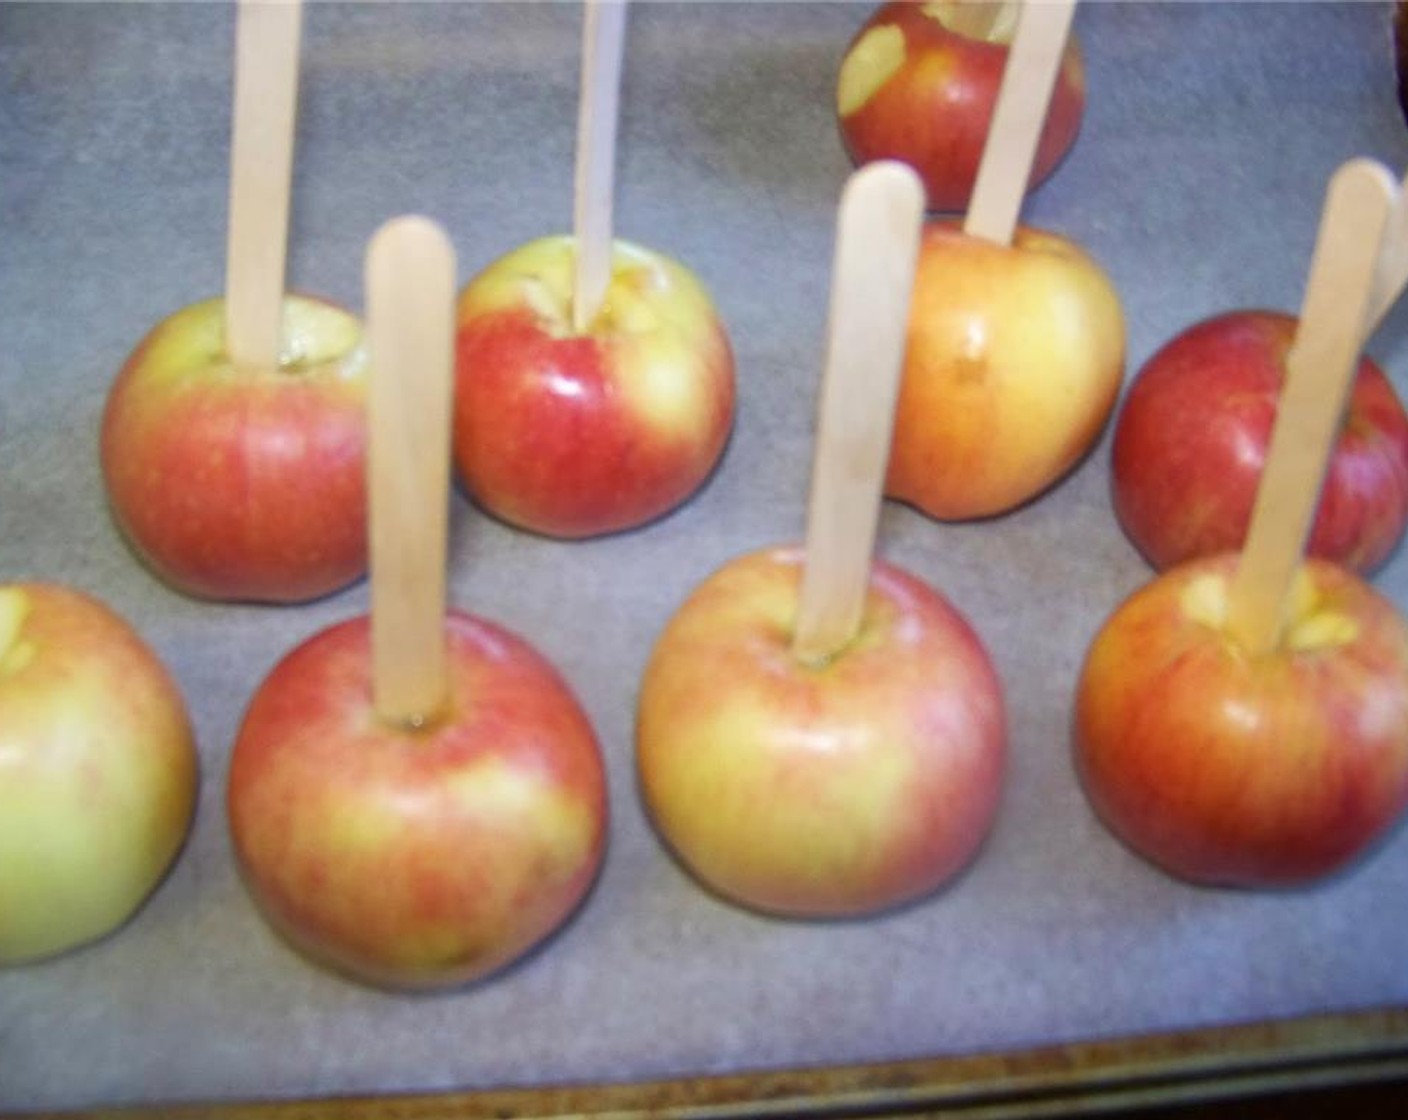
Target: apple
417, 857
243, 484
578, 434
1192, 437
819, 790
1014, 362
98, 770
1255, 771
919, 84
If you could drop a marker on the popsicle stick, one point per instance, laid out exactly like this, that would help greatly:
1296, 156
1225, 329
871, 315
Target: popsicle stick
410, 281
1392, 275
603, 34
1033, 61
261, 167
877, 243
1319, 372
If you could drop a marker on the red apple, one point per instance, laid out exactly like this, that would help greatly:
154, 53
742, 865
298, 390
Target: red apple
1227, 768
1014, 362
417, 857
577, 434
919, 83
98, 770
1191, 441
238, 484
819, 790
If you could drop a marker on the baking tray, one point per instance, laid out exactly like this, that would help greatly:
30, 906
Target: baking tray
1059, 957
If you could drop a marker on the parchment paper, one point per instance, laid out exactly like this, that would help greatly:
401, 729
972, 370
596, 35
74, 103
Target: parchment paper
1197, 181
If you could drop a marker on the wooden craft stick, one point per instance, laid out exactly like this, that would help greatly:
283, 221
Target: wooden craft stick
1033, 62
877, 244
261, 169
603, 34
1319, 372
410, 279
1392, 275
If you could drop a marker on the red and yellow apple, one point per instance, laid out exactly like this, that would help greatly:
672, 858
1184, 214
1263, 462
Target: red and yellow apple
575, 434
1014, 362
919, 84
98, 770
417, 857
819, 790
243, 484
1191, 441
1228, 768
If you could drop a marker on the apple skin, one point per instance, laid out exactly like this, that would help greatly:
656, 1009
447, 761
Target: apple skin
825, 791
1234, 770
242, 485
417, 858
1191, 439
1014, 362
98, 770
915, 89
577, 435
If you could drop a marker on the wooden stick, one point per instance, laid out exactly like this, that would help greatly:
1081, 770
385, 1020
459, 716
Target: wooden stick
1392, 275
1033, 61
1319, 372
877, 244
410, 279
261, 169
603, 34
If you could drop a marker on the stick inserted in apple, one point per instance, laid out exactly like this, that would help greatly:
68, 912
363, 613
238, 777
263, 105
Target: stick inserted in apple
415, 798
1191, 439
1016, 337
919, 84
818, 734
594, 386
233, 440
1243, 718
98, 770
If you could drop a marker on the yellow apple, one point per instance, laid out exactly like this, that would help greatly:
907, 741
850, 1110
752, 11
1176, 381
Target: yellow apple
97, 770
1015, 358
819, 790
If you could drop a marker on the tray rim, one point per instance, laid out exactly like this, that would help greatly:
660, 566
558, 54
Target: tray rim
1226, 1062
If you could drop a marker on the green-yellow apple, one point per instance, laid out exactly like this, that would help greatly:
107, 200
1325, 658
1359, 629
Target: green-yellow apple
819, 790
919, 83
1191, 440
417, 857
243, 484
1228, 768
1014, 361
577, 434
98, 770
